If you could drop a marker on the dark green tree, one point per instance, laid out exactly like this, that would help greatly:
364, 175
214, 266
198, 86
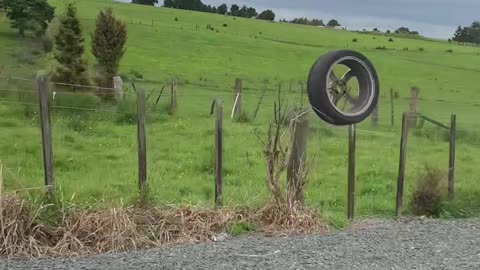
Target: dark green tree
169, 3
457, 36
108, 42
333, 23
222, 9
465, 34
475, 32
243, 12
70, 66
31, 15
402, 30
317, 22
267, 15
251, 12
234, 10
145, 2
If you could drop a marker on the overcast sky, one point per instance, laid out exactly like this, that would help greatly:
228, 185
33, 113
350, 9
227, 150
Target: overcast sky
432, 18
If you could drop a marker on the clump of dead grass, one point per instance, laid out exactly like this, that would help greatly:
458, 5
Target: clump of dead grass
430, 193
31, 229
87, 232
185, 225
20, 235
278, 219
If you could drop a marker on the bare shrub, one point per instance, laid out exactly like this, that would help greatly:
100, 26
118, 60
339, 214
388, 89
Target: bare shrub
282, 153
429, 194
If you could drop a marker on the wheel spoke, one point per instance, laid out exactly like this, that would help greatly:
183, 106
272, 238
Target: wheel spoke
349, 98
347, 76
336, 99
344, 104
333, 77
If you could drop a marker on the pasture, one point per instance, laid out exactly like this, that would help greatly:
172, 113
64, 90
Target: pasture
94, 144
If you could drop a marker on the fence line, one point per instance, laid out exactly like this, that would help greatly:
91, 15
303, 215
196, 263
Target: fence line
420, 99
21, 91
62, 132
17, 78
19, 103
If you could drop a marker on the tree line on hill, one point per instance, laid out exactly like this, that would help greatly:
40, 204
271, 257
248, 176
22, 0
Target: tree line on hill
107, 40
406, 31
223, 9
314, 22
468, 34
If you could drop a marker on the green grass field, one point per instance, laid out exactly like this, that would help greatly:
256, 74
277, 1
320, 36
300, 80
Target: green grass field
95, 155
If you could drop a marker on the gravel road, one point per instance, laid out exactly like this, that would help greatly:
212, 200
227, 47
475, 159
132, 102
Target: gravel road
414, 244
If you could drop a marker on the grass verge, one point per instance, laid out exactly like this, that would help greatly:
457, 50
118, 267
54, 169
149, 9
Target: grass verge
26, 232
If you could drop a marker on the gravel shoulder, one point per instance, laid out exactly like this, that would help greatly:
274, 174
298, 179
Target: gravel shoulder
374, 244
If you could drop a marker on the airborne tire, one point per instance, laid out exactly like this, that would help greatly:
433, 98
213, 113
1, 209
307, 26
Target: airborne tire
318, 86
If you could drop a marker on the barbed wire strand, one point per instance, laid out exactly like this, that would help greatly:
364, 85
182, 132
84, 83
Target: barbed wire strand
83, 86
17, 78
219, 87
58, 130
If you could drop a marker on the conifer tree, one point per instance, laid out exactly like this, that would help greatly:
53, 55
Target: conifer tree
70, 66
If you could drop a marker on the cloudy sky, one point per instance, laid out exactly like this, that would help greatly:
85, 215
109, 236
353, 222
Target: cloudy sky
432, 18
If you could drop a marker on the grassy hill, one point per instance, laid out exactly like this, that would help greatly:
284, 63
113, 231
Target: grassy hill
95, 152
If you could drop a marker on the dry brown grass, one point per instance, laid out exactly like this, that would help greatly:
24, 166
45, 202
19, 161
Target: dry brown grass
87, 232
92, 232
430, 193
20, 235
278, 219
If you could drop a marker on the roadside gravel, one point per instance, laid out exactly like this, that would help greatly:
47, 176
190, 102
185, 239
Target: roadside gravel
373, 244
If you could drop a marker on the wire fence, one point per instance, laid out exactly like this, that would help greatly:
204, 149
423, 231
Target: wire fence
95, 143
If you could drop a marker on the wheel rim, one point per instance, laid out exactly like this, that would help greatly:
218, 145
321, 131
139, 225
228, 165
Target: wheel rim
352, 93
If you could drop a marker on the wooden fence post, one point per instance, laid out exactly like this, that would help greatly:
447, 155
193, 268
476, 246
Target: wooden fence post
42, 82
259, 103
402, 163
118, 88
142, 144
392, 109
173, 98
414, 91
219, 154
237, 99
352, 137
451, 161
296, 166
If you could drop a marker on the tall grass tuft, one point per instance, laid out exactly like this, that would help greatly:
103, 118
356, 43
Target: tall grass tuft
429, 194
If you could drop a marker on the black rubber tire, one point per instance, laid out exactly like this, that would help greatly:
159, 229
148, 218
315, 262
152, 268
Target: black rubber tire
317, 87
